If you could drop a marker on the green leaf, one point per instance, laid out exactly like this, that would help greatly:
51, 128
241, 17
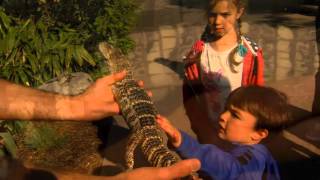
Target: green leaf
86, 56
9, 143
56, 66
5, 19
46, 76
23, 77
32, 59
77, 55
25, 25
10, 39
68, 56
11, 58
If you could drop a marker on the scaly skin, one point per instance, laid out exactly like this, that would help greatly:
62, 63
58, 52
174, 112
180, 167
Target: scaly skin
140, 114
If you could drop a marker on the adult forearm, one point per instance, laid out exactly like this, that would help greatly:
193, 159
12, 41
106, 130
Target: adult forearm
19, 102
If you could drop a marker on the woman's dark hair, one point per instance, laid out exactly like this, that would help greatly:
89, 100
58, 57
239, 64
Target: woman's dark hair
269, 106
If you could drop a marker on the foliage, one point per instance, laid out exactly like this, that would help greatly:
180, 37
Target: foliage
41, 39
43, 137
8, 145
31, 53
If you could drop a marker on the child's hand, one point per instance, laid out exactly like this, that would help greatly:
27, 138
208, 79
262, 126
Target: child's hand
192, 57
173, 133
190, 68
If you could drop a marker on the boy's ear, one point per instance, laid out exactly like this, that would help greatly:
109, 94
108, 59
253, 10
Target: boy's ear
260, 134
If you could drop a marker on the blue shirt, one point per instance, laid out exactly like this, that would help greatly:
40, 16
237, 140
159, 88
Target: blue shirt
244, 162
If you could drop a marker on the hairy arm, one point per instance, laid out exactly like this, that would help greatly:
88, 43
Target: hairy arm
10, 167
19, 102
97, 102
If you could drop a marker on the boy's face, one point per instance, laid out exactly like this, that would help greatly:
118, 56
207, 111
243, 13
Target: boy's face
223, 17
238, 126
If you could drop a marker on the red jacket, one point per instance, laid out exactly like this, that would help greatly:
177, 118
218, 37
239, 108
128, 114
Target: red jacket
193, 96
253, 63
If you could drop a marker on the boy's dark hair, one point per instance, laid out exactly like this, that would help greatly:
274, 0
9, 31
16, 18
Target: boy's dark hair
268, 105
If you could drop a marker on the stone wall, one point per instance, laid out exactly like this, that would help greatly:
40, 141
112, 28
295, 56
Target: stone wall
168, 28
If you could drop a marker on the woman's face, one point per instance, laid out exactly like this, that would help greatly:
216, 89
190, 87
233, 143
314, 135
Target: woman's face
223, 18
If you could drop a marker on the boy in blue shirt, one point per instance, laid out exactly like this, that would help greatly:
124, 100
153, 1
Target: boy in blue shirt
250, 113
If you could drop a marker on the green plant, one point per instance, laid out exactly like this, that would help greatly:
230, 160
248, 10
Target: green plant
31, 53
41, 39
7, 143
43, 137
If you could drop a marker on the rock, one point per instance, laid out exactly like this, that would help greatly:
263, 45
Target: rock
70, 84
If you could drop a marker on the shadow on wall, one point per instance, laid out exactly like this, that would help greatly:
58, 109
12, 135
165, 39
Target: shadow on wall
175, 66
288, 43
283, 19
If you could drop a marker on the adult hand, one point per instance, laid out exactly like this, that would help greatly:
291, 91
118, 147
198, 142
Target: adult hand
98, 100
173, 133
178, 170
13, 169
